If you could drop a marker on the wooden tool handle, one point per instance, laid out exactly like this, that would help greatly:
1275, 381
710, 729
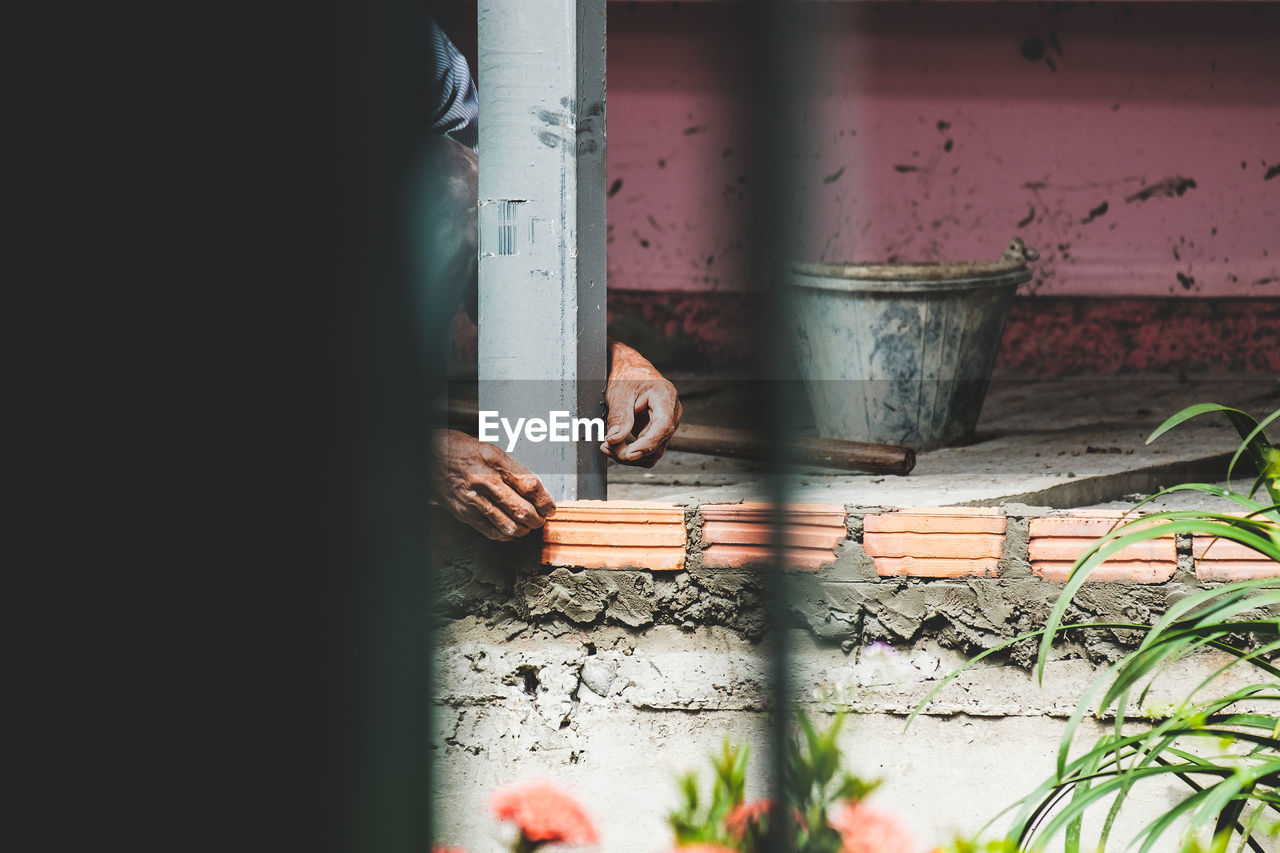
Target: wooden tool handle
745, 444
824, 452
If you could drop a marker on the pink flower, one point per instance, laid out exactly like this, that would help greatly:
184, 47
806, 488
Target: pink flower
544, 814
743, 815
439, 848
867, 830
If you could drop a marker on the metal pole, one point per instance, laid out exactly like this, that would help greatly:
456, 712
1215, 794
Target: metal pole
542, 226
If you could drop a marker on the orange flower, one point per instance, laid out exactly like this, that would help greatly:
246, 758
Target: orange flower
442, 849
544, 814
867, 830
743, 815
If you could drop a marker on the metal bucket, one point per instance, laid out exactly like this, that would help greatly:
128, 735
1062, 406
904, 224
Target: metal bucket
901, 353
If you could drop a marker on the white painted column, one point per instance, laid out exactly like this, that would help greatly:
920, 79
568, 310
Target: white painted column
542, 225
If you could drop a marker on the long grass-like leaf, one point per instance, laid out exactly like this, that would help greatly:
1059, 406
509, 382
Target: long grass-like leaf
1252, 843
1247, 443
1177, 644
1265, 458
1237, 746
1108, 754
1107, 785
1136, 532
1190, 412
999, 647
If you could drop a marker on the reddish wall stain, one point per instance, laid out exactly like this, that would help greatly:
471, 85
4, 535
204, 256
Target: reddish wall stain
1065, 336
1044, 337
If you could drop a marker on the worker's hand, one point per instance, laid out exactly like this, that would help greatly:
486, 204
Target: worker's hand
487, 489
644, 409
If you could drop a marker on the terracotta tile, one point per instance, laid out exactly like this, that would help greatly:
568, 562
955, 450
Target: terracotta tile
1057, 541
943, 542
760, 513
641, 512
612, 533
1067, 548
966, 545
737, 535
615, 535
745, 556
1221, 549
1225, 560
937, 567
608, 557
799, 535
953, 511
1132, 571
941, 520
1237, 570
1089, 523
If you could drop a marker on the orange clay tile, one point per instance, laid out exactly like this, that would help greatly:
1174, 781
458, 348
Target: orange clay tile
1225, 560
1057, 541
737, 535
962, 519
615, 535
945, 542
969, 546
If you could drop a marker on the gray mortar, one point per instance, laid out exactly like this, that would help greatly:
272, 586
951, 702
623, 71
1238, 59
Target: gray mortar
620, 595
693, 532
1014, 560
852, 562
1186, 563
844, 605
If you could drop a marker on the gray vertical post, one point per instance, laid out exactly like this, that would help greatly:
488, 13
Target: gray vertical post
542, 225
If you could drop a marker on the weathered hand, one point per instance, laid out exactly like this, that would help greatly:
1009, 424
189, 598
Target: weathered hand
641, 403
487, 489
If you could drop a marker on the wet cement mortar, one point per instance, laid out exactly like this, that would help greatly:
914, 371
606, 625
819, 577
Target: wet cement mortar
846, 604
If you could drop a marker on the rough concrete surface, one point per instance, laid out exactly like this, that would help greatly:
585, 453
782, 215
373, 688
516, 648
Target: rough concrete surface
1058, 443
610, 715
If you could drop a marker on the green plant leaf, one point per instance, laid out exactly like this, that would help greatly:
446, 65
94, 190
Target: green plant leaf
1187, 414
1140, 531
1254, 442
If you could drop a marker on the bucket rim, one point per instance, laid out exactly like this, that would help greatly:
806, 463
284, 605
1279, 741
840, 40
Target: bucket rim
908, 278
911, 271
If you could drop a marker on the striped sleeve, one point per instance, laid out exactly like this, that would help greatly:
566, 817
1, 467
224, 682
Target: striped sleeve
455, 109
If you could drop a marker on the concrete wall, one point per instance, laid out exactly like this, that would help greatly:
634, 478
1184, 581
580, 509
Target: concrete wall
613, 681
615, 715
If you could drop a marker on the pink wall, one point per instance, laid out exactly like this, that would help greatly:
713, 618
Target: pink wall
930, 135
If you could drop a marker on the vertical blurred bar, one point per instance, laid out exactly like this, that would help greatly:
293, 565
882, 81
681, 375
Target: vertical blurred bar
542, 225
776, 92
393, 320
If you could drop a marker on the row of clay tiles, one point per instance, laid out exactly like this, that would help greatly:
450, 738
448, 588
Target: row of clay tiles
917, 542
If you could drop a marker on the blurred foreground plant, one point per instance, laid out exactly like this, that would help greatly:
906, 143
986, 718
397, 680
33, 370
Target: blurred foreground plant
543, 814
823, 802
1224, 749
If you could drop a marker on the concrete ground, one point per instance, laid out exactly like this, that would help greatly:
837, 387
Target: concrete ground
1056, 443
615, 716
